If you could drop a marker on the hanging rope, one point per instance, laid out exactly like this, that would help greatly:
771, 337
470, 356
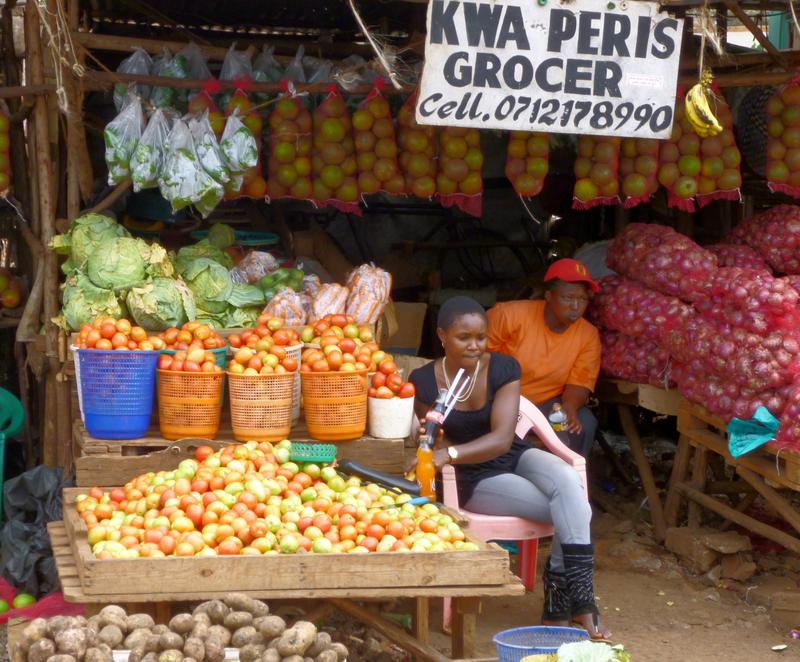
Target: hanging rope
390, 72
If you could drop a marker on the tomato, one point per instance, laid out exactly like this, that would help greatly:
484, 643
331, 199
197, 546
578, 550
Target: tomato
376, 531
396, 529
387, 367
378, 379
394, 382
164, 362
369, 543
191, 366
373, 392
407, 390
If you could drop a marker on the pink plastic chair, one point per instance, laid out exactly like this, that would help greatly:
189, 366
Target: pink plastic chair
496, 527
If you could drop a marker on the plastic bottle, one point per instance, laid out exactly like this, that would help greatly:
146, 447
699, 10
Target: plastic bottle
426, 470
557, 418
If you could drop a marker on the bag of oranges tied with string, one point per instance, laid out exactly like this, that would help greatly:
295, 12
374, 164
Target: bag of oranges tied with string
289, 164
459, 182
596, 172
418, 147
783, 145
638, 170
527, 162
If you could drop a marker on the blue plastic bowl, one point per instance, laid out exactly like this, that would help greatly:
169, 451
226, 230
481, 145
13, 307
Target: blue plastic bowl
517, 643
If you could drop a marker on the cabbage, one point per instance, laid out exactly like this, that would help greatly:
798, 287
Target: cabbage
247, 295
85, 235
189, 254
162, 303
210, 283
221, 235
214, 320
156, 259
242, 317
592, 651
84, 302
117, 263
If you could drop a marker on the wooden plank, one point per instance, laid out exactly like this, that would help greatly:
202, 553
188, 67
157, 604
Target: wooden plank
680, 466
465, 611
420, 650
647, 396
421, 621
784, 508
699, 469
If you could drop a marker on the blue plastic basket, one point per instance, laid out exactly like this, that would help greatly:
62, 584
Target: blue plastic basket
117, 391
515, 644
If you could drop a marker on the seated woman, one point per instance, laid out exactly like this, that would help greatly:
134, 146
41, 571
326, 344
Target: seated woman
500, 474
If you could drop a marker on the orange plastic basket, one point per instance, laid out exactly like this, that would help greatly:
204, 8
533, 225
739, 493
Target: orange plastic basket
189, 403
261, 406
335, 404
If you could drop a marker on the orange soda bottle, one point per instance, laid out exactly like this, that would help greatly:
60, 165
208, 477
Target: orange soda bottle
426, 470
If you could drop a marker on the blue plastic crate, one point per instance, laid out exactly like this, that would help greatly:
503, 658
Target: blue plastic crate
517, 643
117, 390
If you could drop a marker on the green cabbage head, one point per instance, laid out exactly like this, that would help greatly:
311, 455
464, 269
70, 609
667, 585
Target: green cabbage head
210, 284
84, 302
86, 234
118, 263
161, 303
221, 235
188, 254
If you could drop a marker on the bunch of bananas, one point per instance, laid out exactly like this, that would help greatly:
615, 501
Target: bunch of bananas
698, 108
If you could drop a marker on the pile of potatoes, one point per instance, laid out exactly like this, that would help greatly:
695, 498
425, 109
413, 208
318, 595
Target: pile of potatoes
238, 621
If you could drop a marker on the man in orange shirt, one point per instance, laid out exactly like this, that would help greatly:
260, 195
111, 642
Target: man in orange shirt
558, 350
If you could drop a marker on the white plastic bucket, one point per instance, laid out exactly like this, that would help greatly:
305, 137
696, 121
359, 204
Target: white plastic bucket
390, 418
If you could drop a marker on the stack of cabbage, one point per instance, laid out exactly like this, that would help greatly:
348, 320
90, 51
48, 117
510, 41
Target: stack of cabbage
109, 273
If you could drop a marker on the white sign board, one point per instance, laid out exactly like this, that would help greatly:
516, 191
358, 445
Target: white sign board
560, 66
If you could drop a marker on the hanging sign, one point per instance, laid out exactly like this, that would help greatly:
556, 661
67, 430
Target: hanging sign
560, 66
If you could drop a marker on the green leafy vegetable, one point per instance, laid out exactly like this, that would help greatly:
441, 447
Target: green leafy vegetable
117, 263
221, 235
210, 283
84, 302
161, 303
189, 254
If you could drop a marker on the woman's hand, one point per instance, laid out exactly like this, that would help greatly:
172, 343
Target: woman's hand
440, 458
573, 423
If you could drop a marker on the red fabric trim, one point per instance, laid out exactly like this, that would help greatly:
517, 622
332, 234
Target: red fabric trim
630, 203
680, 203
243, 83
471, 204
594, 202
346, 207
778, 187
211, 86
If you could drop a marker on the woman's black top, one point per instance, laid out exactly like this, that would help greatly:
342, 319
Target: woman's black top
463, 426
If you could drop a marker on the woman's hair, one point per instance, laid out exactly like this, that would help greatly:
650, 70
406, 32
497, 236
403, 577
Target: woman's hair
457, 307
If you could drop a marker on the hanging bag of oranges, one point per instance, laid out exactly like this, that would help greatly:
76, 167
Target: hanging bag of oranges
596, 172
376, 146
527, 162
460, 183
783, 144
333, 161
638, 170
289, 164
418, 148
679, 159
720, 159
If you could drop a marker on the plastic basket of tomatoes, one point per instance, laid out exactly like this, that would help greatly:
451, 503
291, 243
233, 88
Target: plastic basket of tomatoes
189, 394
117, 365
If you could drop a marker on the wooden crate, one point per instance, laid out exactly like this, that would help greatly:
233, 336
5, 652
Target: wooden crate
109, 463
780, 466
489, 565
652, 398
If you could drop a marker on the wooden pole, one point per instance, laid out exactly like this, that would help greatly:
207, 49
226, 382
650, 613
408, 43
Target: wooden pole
750, 24
57, 406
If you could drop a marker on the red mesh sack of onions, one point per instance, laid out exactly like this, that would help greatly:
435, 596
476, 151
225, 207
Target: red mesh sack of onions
376, 147
626, 306
783, 144
333, 161
720, 160
788, 435
459, 183
775, 235
527, 162
664, 260
289, 164
638, 170
738, 255
596, 172
637, 360
418, 147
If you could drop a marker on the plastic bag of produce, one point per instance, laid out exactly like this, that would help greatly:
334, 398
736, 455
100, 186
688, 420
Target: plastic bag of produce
289, 165
720, 160
596, 172
783, 144
148, 157
210, 284
527, 162
85, 235
275, 281
253, 267
376, 147
117, 264
459, 182
288, 305
294, 71
244, 296
311, 285
370, 288
202, 102
121, 136
84, 302
330, 300
638, 170
266, 69
237, 67
169, 67
196, 66
204, 248
207, 148
418, 147
161, 303
138, 63
183, 181
334, 165
240, 150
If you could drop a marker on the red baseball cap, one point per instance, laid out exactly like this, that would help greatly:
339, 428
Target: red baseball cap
570, 271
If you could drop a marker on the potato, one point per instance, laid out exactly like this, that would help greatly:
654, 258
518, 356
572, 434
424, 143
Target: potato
170, 641
111, 635
327, 656
195, 648
95, 654
93, 623
201, 617
61, 658
34, 631
159, 628
200, 630
182, 623
260, 608
41, 650
297, 639
151, 656
216, 610
294, 658
137, 639
238, 619
139, 621
152, 643
271, 627
190, 659
240, 602
322, 642
244, 636
270, 655
72, 642
171, 655
136, 655
340, 649
251, 652
114, 615
221, 633
215, 650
